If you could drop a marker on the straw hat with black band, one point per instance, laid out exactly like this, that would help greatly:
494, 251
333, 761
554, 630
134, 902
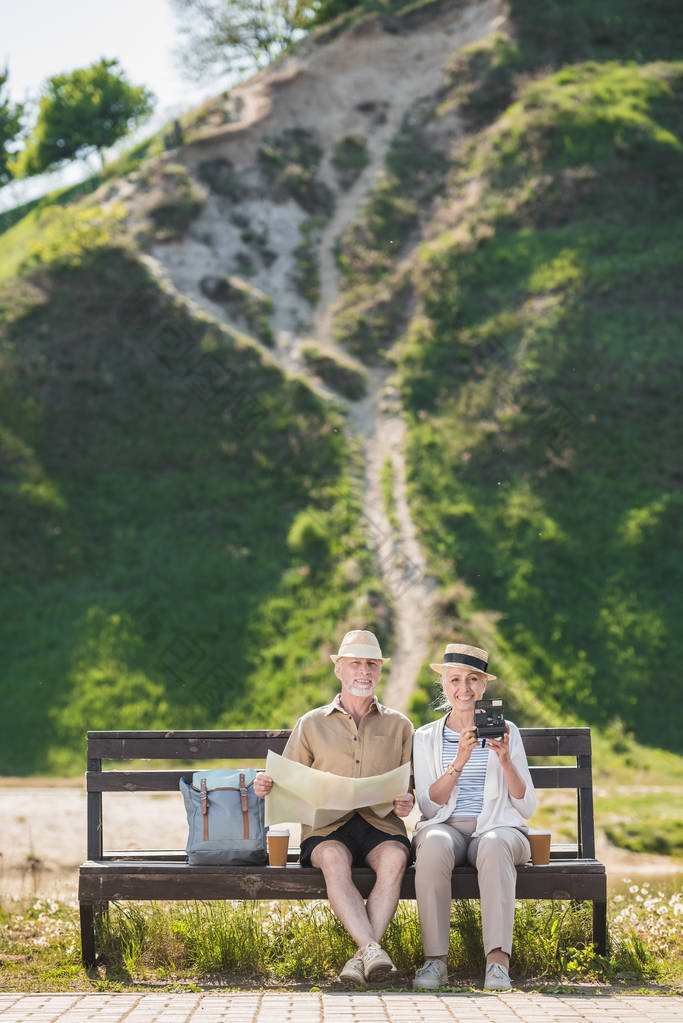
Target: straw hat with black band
460, 655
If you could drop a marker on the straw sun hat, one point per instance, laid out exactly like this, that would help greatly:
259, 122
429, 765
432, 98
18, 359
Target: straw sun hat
460, 655
359, 643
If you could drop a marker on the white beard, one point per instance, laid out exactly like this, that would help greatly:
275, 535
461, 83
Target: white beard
357, 689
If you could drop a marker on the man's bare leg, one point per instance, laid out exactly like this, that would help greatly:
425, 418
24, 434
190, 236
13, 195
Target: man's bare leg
388, 860
334, 859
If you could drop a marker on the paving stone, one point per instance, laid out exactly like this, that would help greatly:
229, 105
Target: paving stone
381, 1007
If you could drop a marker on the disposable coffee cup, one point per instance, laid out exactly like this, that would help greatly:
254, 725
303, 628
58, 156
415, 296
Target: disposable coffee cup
540, 847
278, 844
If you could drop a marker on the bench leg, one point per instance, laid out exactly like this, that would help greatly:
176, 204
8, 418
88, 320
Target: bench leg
88, 955
91, 913
600, 927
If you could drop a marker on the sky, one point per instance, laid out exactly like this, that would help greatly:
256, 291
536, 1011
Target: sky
41, 38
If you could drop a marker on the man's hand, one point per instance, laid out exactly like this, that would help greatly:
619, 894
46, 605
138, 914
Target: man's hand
403, 804
263, 783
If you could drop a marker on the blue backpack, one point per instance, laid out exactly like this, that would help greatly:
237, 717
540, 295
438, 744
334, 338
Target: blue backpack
225, 818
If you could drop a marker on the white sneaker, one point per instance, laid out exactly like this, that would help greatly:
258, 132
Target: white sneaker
497, 978
376, 963
433, 975
352, 973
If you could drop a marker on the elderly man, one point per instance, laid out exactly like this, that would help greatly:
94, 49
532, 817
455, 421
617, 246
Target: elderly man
355, 736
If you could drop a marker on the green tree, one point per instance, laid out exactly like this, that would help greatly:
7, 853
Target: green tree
81, 112
327, 10
236, 35
10, 126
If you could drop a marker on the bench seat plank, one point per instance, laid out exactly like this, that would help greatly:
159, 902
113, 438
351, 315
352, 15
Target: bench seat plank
142, 880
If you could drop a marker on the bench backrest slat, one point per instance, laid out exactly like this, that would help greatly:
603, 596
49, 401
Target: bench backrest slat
559, 742
560, 777
185, 746
135, 781
167, 781
253, 744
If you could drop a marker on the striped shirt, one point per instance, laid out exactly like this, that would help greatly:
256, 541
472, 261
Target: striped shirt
471, 782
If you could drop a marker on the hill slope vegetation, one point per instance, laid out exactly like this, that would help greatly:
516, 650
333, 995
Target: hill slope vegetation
179, 531
541, 376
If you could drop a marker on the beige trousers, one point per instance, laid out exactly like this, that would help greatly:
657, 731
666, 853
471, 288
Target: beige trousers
439, 848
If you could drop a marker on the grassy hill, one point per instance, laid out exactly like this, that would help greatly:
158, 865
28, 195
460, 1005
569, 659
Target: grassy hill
179, 538
542, 376
182, 541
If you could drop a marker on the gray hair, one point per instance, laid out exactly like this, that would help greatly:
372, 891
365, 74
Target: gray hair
440, 701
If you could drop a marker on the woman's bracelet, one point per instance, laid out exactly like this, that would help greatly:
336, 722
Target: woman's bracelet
453, 770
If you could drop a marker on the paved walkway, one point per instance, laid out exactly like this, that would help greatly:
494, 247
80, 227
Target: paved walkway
260, 1007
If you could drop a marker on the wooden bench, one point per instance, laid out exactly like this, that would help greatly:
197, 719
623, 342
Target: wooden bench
106, 876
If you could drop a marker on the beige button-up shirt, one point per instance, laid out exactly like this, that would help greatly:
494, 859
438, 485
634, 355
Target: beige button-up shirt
327, 739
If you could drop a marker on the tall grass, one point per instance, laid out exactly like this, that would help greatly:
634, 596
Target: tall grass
292, 941
289, 942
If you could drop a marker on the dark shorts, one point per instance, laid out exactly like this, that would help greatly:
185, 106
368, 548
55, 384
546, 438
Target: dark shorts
357, 835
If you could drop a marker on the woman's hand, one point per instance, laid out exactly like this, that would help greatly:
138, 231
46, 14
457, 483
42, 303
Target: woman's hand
501, 746
440, 790
263, 783
403, 804
516, 784
468, 740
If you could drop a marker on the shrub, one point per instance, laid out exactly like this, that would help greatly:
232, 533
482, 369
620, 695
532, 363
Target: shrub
306, 276
290, 164
180, 202
342, 376
369, 320
308, 537
246, 301
299, 183
483, 77
349, 158
67, 236
172, 217
294, 146
221, 177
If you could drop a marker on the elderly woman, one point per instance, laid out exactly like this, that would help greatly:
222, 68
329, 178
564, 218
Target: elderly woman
475, 802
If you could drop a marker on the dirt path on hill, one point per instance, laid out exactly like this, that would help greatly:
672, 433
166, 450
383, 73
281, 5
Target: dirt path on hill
363, 83
377, 422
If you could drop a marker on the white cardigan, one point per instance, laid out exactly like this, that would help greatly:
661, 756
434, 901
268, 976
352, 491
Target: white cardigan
500, 809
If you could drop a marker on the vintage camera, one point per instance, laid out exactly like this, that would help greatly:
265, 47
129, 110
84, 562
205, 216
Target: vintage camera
489, 719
